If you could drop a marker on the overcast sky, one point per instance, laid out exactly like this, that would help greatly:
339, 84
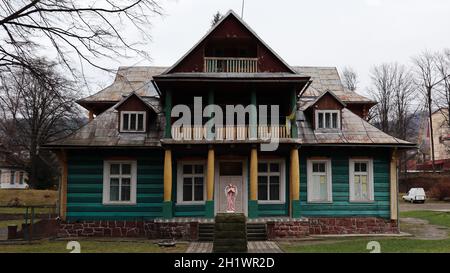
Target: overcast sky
356, 33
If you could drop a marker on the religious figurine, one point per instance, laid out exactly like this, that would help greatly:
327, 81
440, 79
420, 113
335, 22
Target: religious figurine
230, 192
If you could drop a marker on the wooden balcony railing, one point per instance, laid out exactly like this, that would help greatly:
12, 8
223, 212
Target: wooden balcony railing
231, 65
230, 133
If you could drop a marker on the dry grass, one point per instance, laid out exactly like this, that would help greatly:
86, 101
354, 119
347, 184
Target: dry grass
28, 197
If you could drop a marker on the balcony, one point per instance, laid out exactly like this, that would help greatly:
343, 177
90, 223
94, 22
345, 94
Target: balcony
264, 132
231, 65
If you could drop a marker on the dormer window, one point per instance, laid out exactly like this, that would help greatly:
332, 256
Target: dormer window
328, 119
133, 121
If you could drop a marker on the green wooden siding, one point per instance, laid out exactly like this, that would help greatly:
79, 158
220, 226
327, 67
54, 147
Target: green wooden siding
85, 187
341, 206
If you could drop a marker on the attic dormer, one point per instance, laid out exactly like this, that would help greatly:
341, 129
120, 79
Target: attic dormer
135, 114
231, 46
326, 112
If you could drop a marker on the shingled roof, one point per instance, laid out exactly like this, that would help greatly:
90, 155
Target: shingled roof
103, 131
128, 79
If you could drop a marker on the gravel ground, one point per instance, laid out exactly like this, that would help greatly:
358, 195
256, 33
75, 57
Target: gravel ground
431, 205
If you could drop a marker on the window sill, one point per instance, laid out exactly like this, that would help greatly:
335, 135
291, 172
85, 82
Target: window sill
187, 203
119, 203
320, 202
362, 201
271, 202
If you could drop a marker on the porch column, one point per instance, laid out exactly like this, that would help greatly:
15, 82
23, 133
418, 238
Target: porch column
168, 111
393, 182
253, 117
210, 184
167, 206
253, 202
62, 158
295, 183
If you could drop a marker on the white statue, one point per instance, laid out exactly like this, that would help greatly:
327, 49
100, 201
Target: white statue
231, 192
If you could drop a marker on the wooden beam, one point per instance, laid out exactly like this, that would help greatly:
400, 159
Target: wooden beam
91, 116
394, 187
254, 174
62, 158
210, 175
295, 175
168, 176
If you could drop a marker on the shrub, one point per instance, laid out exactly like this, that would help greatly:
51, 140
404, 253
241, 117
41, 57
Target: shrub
440, 191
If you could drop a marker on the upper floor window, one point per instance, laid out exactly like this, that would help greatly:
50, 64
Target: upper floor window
328, 119
133, 121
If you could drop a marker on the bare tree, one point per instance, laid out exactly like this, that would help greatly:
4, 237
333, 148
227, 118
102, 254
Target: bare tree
428, 78
86, 29
383, 81
36, 110
350, 78
443, 68
404, 94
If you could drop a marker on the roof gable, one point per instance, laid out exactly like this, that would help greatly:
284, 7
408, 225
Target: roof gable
230, 26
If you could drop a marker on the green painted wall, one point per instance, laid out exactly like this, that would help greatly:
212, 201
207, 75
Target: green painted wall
85, 186
340, 184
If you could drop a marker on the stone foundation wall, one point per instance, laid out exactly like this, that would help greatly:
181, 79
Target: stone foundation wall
328, 226
149, 229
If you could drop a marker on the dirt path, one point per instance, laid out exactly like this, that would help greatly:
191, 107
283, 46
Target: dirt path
421, 229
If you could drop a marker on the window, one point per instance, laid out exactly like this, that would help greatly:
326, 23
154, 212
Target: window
21, 178
119, 185
133, 121
12, 178
361, 180
271, 184
319, 181
191, 183
328, 119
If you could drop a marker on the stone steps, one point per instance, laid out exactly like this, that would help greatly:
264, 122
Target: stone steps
256, 232
206, 232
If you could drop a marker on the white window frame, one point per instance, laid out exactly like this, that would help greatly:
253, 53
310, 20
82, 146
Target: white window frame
282, 180
371, 189
331, 112
328, 169
122, 113
180, 179
106, 182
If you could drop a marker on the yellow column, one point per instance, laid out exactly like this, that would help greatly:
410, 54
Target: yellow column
393, 182
62, 157
254, 175
168, 176
210, 175
295, 175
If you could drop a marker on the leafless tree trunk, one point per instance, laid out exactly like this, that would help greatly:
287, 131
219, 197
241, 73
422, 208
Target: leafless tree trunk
350, 79
443, 68
383, 81
36, 110
427, 79
85, 30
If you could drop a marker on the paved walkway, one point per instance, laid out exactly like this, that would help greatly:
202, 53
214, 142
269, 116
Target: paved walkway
253, 247
429, 205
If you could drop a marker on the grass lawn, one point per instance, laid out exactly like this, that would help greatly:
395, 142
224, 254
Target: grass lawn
388, 245
28, 197
90, 246
433, 217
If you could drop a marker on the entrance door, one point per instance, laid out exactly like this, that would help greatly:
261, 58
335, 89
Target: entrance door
231, 172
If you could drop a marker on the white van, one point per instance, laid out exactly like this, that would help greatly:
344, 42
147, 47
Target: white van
415, 195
